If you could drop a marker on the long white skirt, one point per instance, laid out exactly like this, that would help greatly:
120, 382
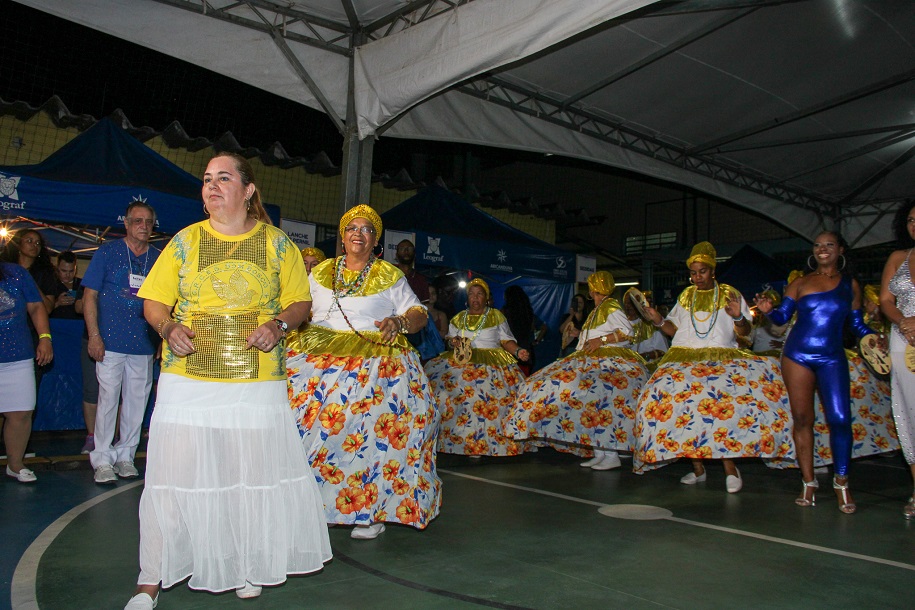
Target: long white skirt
229, 496
903, 390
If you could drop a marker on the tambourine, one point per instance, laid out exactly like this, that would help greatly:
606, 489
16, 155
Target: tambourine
639, 300
910, 358
462, 352
877, 358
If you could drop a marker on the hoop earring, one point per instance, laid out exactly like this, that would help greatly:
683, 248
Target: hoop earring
812, 267
842, 268
205, 210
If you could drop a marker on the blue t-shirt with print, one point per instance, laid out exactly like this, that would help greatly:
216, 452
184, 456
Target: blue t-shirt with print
17, 289
120, 312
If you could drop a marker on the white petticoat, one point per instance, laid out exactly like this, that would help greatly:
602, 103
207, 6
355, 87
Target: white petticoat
229, 496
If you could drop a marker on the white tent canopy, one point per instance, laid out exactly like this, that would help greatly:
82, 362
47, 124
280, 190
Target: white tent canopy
803, 110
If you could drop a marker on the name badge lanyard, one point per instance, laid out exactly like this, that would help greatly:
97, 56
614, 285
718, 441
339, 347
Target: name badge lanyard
136, 279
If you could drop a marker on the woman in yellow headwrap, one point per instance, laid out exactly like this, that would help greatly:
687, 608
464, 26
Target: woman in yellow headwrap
708, 399
311, 257
474, 396
361, 399
585, 403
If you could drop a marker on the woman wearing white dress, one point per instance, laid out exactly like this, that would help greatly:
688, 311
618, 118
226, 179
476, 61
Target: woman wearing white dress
361, 399
897, 301
708, 399
475, 396
586, 401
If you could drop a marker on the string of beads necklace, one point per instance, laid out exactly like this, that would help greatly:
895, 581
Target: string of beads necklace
713, 315
476, 330
587, 324
340, 288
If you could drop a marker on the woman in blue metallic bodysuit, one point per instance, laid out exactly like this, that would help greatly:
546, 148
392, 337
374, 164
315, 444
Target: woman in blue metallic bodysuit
814, 359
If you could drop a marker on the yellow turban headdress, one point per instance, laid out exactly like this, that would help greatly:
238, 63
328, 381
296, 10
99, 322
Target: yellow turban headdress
315, 252
362, 211
601, 282
704, 253
872, 293
482, 284
794, 275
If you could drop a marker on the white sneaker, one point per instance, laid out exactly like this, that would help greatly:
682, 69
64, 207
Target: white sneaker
692, 479
733, 484
105, 474
367, 532
23, 476
126, 470
610, 461
598, 456
142, 601
248, 591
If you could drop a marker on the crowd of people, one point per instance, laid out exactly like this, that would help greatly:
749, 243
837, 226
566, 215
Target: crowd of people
299, 392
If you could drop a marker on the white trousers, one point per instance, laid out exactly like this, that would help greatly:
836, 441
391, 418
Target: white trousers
124, 378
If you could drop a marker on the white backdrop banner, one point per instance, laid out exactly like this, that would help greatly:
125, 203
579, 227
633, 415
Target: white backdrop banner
302, 233
584, 266
391, 239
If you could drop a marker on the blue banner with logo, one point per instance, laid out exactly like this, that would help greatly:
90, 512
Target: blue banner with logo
493, 258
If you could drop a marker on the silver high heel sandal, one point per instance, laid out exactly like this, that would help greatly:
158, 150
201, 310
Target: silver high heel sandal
845, 505
909, 511
803, 500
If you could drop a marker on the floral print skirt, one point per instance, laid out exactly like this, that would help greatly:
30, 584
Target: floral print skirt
581, 402
872, 427
733, 407
473, 400
369, 427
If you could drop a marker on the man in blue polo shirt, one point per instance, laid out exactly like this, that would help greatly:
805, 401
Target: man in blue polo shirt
120, 341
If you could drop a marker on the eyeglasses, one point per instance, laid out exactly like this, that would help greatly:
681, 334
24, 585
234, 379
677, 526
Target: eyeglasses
365, 230
141, 221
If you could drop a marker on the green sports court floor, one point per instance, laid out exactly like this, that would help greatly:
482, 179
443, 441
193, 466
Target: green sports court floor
536, 531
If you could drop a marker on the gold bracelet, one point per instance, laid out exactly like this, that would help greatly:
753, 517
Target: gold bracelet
160, 326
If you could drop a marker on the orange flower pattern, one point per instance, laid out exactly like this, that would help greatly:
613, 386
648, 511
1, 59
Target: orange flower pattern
711, 410
873, 428
579, 403
474, 399
368, 426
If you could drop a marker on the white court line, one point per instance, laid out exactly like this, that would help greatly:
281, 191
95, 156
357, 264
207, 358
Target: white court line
728, 530
23, 592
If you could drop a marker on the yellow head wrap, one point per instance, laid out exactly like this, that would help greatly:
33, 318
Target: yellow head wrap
872, 293
704, 253
794, 275
362, 211
601, 282
482, 284
315, 252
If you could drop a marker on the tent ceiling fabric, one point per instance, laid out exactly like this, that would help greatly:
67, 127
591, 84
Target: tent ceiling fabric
803, 110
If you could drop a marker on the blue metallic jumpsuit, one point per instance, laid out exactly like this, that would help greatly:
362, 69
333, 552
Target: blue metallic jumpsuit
815, 342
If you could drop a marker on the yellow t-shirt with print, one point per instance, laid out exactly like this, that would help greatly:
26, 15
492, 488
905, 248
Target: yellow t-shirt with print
223, 287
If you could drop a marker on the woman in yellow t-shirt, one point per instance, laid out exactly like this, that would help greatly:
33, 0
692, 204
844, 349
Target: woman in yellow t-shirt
229, 500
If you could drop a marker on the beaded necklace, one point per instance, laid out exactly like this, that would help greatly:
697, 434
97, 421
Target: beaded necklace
713, 315
476, 330
587, 324
351, 288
